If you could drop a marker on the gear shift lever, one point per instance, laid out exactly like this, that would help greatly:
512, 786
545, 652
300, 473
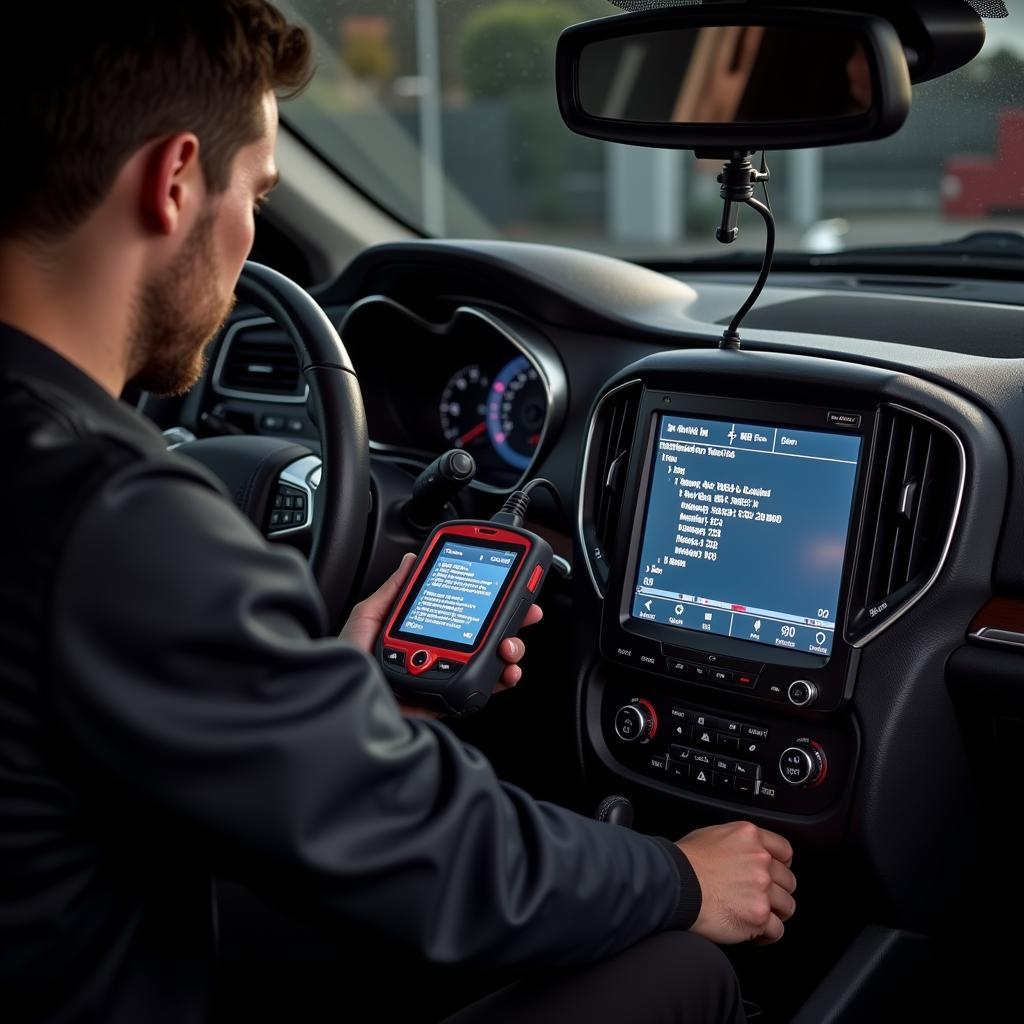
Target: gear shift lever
616, 810
436, 486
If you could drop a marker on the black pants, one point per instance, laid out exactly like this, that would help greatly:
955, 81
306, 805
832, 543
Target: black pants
671, 978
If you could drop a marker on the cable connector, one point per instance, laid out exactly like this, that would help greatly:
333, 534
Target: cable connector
513, 512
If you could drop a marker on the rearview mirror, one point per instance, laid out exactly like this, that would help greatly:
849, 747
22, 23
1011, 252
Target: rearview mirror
725, 78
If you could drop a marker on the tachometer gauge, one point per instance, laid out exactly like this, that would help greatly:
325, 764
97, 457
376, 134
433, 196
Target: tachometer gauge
516, 409
464, 408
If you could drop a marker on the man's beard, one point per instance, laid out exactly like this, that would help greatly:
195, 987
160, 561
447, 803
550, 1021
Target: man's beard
177, 315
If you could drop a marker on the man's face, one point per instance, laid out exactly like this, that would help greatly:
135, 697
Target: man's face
180, 310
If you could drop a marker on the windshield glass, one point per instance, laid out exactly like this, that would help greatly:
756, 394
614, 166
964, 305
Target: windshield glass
444, 112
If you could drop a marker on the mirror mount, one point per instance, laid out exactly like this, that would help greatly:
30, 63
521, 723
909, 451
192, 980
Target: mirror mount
738, 180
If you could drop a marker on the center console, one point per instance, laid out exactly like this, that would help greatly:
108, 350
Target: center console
743, 552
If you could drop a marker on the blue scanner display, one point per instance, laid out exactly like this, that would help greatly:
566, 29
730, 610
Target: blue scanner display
745, 531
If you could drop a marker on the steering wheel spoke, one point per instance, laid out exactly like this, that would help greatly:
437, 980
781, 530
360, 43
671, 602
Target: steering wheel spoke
293, 502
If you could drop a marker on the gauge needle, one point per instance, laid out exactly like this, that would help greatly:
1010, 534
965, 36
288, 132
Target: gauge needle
471, 435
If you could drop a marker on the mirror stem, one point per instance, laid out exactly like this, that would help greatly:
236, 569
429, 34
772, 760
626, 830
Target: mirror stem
738, 179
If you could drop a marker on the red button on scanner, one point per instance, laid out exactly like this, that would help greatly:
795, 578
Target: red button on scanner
535, 578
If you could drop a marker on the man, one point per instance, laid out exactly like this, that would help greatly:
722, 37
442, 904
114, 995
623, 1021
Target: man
171, 707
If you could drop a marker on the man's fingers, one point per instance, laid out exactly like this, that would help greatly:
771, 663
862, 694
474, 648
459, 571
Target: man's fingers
512, 650
783, 904
774, 931
510, 677
778, 846
534, 615
781, 875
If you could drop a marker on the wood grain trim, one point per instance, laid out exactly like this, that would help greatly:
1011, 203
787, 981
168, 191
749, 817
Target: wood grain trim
1000, 613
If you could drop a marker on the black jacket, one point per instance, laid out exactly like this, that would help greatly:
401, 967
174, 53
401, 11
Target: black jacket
171, 708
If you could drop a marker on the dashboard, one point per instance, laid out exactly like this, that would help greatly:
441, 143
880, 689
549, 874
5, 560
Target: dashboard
781, 556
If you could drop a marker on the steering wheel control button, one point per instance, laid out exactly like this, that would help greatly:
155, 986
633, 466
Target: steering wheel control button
797, 766
394, 658
419, 659
802, 693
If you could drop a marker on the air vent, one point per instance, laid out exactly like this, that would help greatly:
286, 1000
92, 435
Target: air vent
606, 457
258, 359
914, 491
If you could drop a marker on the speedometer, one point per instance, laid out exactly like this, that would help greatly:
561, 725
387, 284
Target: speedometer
516, 410
464, 408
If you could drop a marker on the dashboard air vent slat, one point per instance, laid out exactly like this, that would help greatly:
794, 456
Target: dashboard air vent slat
261, 361
912, 496
611, 436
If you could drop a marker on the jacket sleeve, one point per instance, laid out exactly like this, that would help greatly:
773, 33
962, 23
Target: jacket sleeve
190, 676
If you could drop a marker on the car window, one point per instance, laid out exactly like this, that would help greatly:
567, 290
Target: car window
444, 112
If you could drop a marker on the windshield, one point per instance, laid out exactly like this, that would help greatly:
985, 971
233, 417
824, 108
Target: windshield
444, 112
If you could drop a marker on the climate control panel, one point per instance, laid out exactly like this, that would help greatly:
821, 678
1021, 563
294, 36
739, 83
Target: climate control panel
775, 763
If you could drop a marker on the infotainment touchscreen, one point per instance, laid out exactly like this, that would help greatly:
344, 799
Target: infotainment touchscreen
745, 531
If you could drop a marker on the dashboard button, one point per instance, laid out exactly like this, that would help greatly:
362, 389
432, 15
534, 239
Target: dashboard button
744, 679
701, 776
746, 770
722, 675
730, 728
775, 691
726, 743
679, 754
702, 721
744, 786
679, 770
751, 748
657, 763
700, 759
680, 668
722, 764
755, 732
703, 737
723, 781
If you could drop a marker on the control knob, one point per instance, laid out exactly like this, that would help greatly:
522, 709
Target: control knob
802, 693
803, 765
636, 721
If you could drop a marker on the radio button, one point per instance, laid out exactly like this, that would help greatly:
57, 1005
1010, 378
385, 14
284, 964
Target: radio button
730, 728
755, 732
722, 675
681, 668
802, 693
746, 770
394, 658
722, 764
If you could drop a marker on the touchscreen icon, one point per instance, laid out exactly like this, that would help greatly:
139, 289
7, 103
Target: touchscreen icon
819, 639
679, 609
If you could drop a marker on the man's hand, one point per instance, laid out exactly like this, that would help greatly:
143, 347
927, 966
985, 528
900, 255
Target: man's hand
745, 882
367, 620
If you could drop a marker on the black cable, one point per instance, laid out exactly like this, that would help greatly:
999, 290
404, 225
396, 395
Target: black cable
731, 338
764, 182
552, 490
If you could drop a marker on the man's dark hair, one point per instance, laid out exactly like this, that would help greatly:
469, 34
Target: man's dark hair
83, 86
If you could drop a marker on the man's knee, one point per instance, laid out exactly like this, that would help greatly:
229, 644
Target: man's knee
699, 975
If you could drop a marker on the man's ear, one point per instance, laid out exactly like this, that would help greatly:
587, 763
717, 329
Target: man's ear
172, 183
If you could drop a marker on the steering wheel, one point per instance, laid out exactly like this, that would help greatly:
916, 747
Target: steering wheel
326, 498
